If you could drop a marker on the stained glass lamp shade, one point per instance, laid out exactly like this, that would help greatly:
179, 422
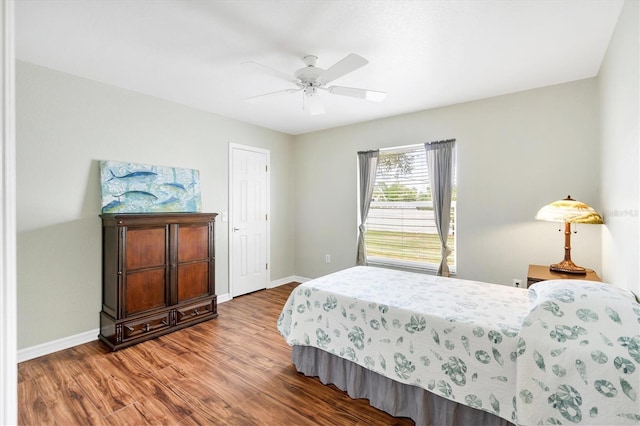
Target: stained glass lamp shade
568, 211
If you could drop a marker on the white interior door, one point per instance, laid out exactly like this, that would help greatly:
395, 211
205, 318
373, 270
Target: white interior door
249, 227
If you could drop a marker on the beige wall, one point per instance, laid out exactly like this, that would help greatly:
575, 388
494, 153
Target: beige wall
619, 105
65, 125
515, 154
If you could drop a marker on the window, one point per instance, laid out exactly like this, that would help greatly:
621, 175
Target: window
401, 228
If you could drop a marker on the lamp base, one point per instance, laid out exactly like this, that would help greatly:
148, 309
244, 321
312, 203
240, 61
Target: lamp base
568, 267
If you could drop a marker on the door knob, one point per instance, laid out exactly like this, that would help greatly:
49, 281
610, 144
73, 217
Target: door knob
236, 229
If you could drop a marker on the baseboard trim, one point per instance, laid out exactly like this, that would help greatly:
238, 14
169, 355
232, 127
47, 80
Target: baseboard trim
89, 336
287, 280
57, 345
224, 298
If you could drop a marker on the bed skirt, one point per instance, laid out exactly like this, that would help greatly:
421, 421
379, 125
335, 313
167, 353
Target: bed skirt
397, 399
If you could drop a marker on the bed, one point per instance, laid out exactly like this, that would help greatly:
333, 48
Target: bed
450, 351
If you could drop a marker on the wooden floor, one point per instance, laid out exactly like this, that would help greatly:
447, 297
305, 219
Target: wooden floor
233, 370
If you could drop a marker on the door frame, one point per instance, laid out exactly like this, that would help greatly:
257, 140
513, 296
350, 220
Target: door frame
8, 251
235, 146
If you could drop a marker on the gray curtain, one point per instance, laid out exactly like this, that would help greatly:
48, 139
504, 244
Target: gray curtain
440, 169
367, 166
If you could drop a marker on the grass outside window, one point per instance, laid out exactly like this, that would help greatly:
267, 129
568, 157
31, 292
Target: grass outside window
406, 246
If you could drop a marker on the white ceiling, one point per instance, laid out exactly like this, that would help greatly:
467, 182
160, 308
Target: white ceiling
425, 54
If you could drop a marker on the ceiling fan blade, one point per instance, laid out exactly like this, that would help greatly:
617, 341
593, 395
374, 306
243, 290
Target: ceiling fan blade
272, 71
369, 95
259, 98
313, 104
349, 63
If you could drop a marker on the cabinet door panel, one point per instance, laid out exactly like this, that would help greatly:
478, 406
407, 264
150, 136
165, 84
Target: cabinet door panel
193, 280
193, 243
145, 247
145, 290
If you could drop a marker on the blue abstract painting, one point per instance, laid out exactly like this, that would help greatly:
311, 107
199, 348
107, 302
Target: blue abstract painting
143, 188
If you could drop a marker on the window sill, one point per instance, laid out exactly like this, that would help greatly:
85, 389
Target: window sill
429, 270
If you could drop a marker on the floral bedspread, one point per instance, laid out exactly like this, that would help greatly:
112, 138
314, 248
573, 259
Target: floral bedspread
455, 338
579, 359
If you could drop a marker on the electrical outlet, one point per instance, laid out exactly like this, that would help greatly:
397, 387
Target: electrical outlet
517, 283
327, 258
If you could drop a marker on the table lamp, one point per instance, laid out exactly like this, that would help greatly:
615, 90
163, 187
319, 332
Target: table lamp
568, 211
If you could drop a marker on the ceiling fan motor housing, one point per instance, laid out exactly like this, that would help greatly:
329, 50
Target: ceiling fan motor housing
311, 90
309, 75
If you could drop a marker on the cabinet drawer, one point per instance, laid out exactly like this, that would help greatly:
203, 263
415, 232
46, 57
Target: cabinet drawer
147, 325
195, 311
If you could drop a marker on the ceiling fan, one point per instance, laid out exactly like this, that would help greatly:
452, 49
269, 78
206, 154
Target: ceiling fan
311, 80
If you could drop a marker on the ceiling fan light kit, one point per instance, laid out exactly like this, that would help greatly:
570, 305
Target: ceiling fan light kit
311, 79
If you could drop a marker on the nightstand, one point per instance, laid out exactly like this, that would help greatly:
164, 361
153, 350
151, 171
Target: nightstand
542, 273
